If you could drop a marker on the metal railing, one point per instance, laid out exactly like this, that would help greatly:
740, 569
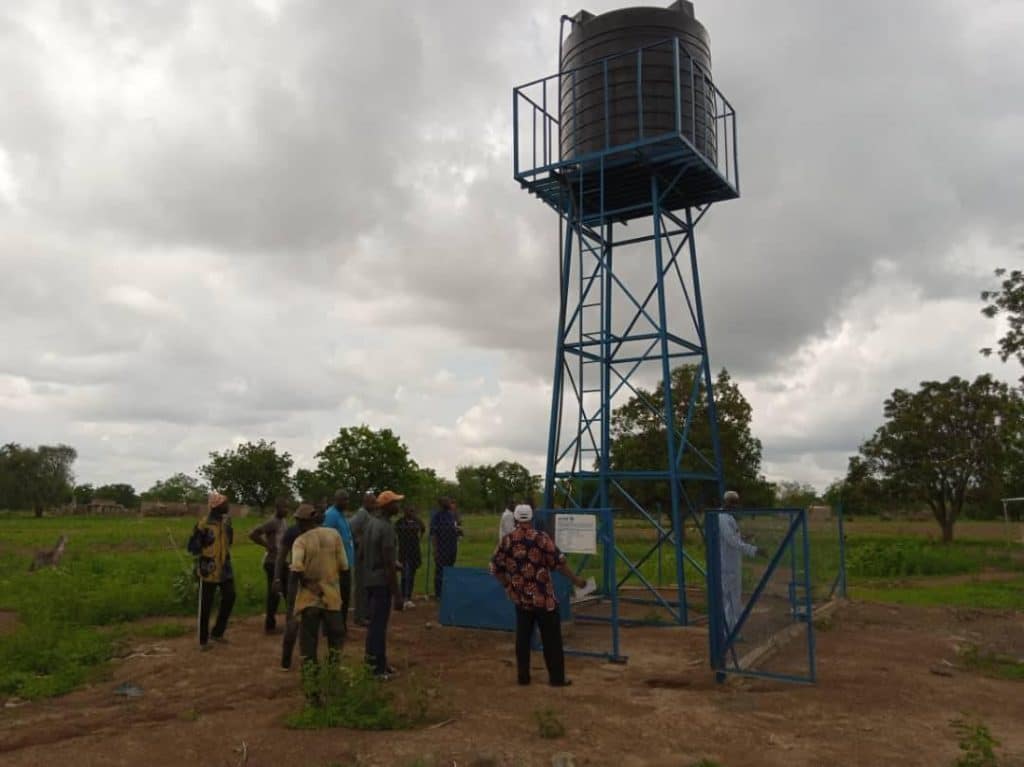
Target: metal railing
537, 115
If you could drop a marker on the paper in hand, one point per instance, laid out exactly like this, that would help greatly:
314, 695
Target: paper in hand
589, 588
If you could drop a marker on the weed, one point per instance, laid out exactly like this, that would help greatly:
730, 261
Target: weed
189, 715
990, 663
706, 763
350, 696
548, 723
977, 745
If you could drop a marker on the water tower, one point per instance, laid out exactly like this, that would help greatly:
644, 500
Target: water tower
630, 143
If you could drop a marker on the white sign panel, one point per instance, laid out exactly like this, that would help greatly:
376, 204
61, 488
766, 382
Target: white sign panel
576, 533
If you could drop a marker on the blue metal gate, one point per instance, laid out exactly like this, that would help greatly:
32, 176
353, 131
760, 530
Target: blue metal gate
765, 554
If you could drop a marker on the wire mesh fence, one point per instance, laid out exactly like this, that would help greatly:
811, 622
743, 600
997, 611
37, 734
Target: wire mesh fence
760, 593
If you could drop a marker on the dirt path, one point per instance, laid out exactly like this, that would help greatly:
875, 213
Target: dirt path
877, 703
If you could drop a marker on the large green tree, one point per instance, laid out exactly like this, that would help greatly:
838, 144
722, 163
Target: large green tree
490, 486
361, 459
120, 492
1008, 301
179, 488
36, 478
945, 442
639, 440
859, 492
254, 473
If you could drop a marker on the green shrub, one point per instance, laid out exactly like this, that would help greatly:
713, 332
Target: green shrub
901, 557
350, 696
977, 745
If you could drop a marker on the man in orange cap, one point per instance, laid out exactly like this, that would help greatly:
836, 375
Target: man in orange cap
380, 580
210, 543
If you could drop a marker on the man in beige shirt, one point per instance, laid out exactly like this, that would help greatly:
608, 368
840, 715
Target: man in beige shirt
318, 559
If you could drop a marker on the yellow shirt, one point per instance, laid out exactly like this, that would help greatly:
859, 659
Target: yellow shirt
319, 556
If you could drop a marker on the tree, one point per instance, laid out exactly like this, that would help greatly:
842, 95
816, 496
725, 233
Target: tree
638, 440
796, 495
179, 488
491, 486
253, 473
1008, 301
362, 459
313, 486
83, 494
427, 487
944, 442
118, 493
859, 492
36, 478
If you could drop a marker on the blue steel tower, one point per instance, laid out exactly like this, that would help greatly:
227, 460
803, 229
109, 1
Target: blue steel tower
630, 144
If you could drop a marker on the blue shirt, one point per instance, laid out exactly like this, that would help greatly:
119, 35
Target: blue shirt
444, 529
336, 520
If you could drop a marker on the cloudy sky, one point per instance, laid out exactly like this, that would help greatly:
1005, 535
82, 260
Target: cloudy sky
223, 220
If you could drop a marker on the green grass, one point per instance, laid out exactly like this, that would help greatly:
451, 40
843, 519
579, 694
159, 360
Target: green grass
997, 595
116, 570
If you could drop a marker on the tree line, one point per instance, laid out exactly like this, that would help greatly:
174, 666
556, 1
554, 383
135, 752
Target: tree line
953, 447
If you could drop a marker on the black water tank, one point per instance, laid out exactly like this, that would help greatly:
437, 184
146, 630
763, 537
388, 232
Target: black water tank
583, 104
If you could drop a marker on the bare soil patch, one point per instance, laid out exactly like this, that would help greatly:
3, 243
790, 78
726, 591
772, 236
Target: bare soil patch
877, 702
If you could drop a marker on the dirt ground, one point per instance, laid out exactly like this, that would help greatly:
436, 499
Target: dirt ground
879, 701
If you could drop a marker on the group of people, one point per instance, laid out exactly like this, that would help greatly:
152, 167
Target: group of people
322, 564
312, 564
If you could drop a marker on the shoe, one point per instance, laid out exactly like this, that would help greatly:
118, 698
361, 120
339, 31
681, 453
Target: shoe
563, 683
205, 648
408, 605
523, 682
220, 640
382, 677
284, 669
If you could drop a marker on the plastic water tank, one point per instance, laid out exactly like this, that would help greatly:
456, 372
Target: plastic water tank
583, 125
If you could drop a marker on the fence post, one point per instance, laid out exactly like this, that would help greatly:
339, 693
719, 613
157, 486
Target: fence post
842, 553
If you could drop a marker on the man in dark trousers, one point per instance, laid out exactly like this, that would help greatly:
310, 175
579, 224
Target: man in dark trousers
524, 564
380, 580
289, 587
318, 560
409, 530
357, 524
269, 536
444, 536
210, 543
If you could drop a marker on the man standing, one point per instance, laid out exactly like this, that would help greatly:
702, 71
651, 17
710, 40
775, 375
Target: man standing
409, 530
334, 518
285, 584
732, 549
524, 563
269, 536
444, 536
318, 560
210, 543
358, 526
508, 522
381, 581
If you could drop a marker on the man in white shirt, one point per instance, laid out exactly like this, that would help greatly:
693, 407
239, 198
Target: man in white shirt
732, 549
